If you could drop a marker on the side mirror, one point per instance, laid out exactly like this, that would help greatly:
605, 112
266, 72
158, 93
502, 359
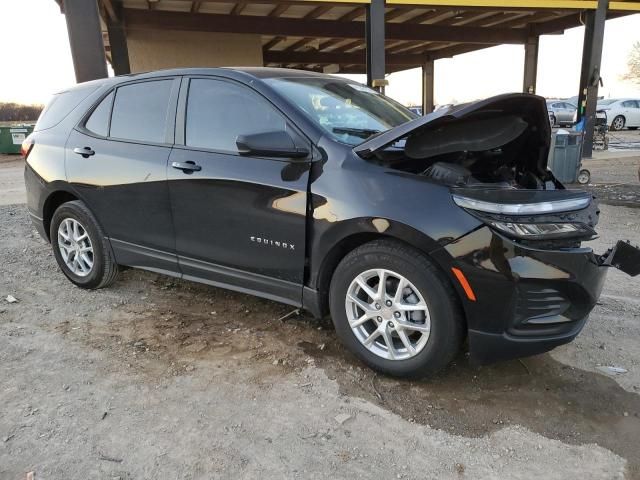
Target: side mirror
270, 144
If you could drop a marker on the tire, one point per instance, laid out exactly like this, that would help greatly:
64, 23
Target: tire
618, 123
584, 176
104, 269
437, 349
553, 121
632, 128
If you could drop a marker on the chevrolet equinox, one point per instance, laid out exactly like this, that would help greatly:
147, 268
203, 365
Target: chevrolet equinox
414, 233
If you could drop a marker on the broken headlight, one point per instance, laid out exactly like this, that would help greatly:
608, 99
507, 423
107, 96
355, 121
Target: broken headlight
538, 231
536, 208
553, 218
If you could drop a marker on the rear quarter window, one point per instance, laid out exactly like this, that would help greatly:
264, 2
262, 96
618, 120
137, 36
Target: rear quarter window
61, 105
98, 121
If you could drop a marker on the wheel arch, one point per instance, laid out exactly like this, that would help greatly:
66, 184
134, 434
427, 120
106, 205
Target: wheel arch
624, 120
51, 204
351, 235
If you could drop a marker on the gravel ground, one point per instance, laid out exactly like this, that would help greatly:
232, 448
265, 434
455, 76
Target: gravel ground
614, 177
11, 180
159, 378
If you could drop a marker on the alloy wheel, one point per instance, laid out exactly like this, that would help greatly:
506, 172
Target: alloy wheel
388, 314
75, 247
618, 123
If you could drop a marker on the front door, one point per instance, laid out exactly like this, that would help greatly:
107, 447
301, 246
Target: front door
117, 162
239, 220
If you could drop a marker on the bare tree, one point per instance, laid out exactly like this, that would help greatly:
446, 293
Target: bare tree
15, 112
633, 65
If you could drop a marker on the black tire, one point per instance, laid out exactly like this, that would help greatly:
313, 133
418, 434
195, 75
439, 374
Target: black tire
553, 121
105, 269
447, 325
615, 126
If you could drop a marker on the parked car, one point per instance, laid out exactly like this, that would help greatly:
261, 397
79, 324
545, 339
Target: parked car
561, 112
621, 112
315, 191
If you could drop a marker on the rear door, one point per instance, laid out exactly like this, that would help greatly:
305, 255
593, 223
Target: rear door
239, 220
568, 112
117, 161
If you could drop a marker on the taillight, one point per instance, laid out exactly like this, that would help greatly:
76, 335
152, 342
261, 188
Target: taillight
27, 146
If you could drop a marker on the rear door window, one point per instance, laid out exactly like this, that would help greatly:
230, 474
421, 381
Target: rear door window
140, 111
61, 105
218, 111
98, 121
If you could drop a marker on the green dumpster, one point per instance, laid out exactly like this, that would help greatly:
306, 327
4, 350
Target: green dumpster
12, 136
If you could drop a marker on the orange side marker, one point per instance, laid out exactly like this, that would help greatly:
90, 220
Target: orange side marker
464, 283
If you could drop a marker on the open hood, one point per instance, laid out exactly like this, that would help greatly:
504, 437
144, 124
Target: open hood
484, 125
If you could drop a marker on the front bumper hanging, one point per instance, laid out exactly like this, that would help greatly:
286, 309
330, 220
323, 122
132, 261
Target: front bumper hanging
624, 257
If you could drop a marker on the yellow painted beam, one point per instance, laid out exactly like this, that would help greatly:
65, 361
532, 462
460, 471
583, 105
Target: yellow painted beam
533, 4
627, 6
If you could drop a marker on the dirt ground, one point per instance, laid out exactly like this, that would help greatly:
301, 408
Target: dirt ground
157, 378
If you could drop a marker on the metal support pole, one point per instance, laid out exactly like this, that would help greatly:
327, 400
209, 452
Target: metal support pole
118, 42
85, 39
427, 87
374, 26
590, 74
530, 64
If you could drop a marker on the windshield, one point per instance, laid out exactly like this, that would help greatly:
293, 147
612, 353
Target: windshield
349, 112
607, 102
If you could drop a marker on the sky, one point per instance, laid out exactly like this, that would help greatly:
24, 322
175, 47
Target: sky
41, 65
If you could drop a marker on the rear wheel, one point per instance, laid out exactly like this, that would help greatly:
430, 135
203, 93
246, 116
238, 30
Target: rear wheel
618, 123
80, 247
394, 309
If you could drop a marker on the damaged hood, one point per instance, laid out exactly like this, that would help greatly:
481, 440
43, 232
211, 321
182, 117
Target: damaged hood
483, 125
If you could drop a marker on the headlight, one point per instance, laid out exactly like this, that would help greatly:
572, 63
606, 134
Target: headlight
538, 208
536, 231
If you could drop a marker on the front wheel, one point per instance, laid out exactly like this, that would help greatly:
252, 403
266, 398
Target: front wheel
618, 123
80, 247
395, 310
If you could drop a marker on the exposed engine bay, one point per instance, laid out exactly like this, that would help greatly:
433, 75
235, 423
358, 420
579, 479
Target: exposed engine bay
501, 142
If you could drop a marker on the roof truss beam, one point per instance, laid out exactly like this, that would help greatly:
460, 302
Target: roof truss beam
328, 58
317, 28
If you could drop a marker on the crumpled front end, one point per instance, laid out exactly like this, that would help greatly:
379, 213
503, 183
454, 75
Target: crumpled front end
527, 300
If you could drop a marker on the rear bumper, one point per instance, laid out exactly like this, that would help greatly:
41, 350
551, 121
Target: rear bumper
38, 223
528, 301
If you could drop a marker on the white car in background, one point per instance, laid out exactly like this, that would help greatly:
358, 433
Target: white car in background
621, 112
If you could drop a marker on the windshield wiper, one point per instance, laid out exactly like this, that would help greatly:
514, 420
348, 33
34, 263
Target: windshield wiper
356, 132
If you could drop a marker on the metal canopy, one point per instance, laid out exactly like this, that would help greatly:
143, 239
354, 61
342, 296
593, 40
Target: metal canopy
315, 34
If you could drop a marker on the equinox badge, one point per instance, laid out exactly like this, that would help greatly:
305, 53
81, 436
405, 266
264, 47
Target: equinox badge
273, 243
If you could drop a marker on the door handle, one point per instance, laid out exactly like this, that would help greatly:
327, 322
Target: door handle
86, 152
186, 167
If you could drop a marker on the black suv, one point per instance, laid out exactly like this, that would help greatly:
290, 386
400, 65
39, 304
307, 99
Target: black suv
315, 191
